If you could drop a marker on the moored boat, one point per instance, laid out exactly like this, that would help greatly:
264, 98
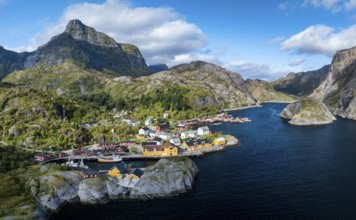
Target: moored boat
109, 159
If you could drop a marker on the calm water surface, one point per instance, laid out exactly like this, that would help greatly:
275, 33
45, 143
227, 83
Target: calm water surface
280, 171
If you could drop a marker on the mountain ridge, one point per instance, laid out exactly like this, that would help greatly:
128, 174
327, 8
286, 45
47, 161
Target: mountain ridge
86, 46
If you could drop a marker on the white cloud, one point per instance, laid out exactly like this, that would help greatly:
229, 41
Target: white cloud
250, 70
321, 39
332, 5
275, 40
160, 33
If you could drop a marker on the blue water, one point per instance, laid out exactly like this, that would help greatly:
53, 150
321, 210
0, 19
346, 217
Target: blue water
280, 171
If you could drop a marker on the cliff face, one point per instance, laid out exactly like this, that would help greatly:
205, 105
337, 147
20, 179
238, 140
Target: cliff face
11, 61
307, 111
338, 91
303, 83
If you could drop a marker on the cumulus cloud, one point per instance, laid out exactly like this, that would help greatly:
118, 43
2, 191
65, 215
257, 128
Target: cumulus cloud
332, 5
161, 33
321, 39
250, 70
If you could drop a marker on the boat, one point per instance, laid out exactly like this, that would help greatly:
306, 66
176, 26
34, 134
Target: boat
109, 159
82, 165
71, 163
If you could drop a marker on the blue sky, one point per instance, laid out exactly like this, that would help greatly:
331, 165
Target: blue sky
256, 38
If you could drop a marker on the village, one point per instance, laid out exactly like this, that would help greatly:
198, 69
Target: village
153, 141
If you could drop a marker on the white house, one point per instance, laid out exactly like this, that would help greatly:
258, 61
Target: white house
145, 131
188, 134
203, 130
165, 135
165, 115
175, 141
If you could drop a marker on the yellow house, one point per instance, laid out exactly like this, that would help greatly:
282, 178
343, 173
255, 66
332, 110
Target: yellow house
118, 170
152, 150
220, 141
196, 145
170, 150
135, 173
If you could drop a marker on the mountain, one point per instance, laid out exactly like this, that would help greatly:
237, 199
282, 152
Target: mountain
157, 68
208, 84
202, 85
83, 45
264, 92
303, 83
338, 91
11, 61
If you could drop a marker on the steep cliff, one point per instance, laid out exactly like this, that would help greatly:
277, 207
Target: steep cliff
338, 91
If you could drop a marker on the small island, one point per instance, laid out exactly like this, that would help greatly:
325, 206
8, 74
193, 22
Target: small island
307, 111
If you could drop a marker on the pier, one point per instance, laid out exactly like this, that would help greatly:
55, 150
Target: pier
198, 153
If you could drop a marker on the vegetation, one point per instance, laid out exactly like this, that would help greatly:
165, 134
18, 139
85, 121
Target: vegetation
13, 158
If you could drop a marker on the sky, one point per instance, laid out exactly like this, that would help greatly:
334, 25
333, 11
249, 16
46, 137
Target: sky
255, 38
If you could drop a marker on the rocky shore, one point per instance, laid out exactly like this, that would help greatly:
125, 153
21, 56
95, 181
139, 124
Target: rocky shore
307, 111
168, 177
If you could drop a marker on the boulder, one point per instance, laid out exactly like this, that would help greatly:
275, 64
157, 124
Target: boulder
165, 178
93, 191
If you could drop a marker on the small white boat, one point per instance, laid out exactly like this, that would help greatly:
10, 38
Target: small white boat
82, 165
109, 159
71, 163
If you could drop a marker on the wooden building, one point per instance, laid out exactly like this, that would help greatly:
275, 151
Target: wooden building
135, 173
118, 170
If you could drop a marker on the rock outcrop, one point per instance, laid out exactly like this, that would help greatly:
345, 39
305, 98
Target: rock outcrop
307, 111
81, 32
93, 191
168, 177
338, 91
55, 190
165, 178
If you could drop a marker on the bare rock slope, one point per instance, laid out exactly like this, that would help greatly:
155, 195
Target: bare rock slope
307, 111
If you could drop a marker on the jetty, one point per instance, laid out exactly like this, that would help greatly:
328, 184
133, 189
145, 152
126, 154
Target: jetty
197, 153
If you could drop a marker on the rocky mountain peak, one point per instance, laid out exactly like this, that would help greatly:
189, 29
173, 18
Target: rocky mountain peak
80, 31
